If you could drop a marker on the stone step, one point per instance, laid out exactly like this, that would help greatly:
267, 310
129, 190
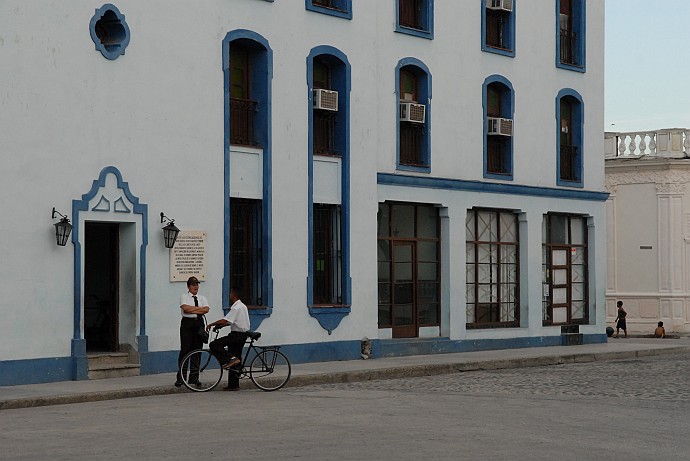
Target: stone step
107, 358
124, 370
572, 339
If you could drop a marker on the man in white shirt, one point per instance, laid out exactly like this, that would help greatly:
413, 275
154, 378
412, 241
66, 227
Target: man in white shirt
193, 306
238, 319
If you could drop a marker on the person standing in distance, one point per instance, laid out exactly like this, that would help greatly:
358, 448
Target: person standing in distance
192, 307
238, 319
620, 319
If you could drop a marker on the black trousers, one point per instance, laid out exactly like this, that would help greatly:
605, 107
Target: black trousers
189, 340
234, 342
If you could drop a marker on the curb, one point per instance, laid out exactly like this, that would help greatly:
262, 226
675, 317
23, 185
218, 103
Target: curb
411, 371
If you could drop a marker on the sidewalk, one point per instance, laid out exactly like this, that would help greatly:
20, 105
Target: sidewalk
303, 374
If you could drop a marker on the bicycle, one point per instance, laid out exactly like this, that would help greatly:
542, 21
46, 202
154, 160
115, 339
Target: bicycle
269, 368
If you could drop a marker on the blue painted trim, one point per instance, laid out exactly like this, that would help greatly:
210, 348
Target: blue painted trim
34, 371
509, 32
580, 28
112, 51
256, 316
342, 82
425, 94
343, 8
507, 111
262, 79
427, 10
578, 137
80, 364
387, 179
17, 372
329, 317
83, 205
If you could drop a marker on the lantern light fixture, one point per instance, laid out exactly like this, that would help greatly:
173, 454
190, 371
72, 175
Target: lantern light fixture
169, 232
62, 229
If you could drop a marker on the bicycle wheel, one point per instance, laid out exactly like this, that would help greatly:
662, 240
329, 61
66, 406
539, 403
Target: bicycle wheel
200, 371
270, 370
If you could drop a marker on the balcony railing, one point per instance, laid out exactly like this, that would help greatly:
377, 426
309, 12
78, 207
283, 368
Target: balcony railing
411, 136
324, 133
670, 142
242, 113
569, 163
568, 47
495, 25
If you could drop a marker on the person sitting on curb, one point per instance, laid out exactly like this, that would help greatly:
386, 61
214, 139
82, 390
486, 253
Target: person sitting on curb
660, 332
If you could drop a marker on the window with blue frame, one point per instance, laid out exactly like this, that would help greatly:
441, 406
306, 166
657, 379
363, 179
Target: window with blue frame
415, 17
498, 26
247, 66
498, 128
328, 80
570, 136
413, 116
570, 34
338, 8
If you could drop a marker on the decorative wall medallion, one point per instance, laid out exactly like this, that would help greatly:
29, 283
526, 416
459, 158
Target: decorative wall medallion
109, 31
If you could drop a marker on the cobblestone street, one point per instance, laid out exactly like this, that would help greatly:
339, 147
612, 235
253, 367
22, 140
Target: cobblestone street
651, 378
635, 409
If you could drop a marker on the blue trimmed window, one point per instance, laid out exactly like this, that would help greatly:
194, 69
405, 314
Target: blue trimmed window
338, 8
499, 99
415, 17
498, 26
570, 117
247, 66
109, 31
570, 34
328, 284
414, 93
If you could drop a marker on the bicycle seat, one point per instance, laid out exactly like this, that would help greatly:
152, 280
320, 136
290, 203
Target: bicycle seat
254, 335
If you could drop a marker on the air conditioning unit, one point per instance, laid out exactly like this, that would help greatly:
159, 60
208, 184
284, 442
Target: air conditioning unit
411, 112
499, 126
326, 99
503, 5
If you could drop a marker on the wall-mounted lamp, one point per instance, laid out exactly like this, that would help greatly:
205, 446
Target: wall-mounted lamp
62, 229
169, 232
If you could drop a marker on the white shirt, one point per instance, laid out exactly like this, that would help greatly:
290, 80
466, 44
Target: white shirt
188, 299
238, 317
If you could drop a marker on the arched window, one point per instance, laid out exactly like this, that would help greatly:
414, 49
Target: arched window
498, 128
328, 80
569, 115
247, 63
414, 94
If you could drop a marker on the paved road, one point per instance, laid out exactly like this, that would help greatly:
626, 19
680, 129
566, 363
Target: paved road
636, 409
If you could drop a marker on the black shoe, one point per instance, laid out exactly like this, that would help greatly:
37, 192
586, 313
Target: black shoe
178, 383
196, 383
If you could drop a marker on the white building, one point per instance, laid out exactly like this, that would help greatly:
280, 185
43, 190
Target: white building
648, 228
275, 133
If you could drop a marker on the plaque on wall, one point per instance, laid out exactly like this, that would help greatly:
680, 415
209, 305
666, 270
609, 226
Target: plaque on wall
188, 256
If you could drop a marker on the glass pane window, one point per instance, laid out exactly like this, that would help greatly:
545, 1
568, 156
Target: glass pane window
564, 264
408, 265
492, 268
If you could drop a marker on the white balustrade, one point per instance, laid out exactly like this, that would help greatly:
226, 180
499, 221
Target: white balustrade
671, 142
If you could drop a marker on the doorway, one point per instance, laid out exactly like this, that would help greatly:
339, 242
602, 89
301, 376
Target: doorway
101, 286
409, 267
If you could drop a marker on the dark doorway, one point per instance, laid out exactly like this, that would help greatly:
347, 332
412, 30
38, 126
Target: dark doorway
101, 282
